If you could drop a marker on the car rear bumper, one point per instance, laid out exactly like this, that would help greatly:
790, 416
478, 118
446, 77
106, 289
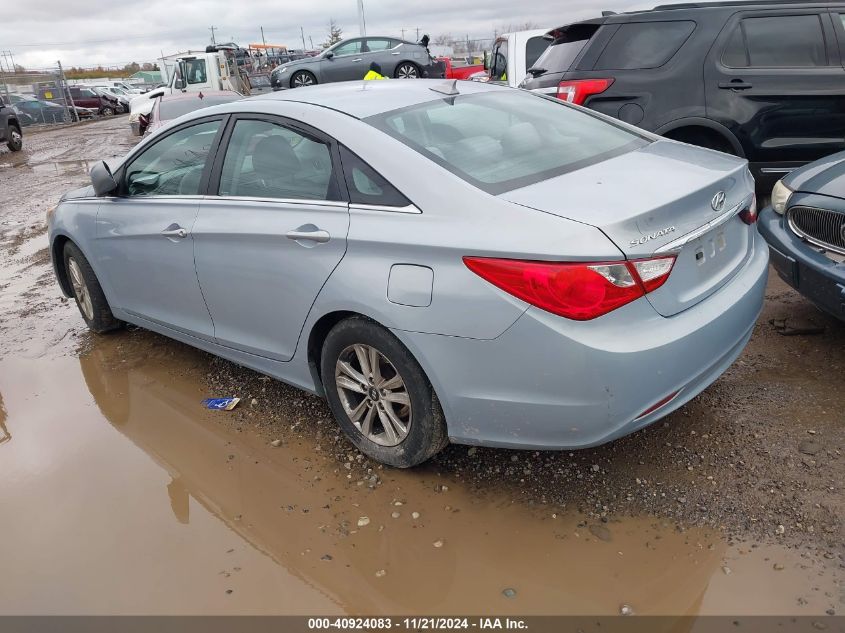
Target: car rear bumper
801, 266
548, 382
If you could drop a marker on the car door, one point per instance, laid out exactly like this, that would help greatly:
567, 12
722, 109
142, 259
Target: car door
346, 64
144, 241
775, 79
380, 50
269, 239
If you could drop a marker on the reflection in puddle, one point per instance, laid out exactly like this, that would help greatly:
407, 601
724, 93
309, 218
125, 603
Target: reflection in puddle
171, 522
60, 168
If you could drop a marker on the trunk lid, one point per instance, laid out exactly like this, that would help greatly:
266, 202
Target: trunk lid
655, 198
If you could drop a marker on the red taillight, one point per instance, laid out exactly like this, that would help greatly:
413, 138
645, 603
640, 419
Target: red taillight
575, 290
749, 215
577, 90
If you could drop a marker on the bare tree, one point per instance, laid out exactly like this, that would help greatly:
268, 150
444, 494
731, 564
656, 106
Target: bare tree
513, 28
335, 34
443, 40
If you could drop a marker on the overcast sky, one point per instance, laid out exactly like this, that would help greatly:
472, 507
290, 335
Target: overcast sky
110, 32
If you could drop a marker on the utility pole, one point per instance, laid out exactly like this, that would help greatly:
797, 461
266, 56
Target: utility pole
418, 34
302, 33
263, 41
362, 22
311, 39
213, 41
403, 33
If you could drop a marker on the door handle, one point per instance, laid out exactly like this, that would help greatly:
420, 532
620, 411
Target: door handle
735, 84
357, 60
396, 53
313, 235
174, 230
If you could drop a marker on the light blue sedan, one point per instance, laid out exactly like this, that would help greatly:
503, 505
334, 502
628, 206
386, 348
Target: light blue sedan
441, 261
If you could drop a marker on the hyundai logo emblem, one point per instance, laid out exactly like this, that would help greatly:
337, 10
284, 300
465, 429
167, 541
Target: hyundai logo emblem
718, 201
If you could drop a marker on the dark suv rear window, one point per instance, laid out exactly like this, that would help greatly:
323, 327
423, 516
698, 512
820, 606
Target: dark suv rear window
782, 41
568, 42
641, 45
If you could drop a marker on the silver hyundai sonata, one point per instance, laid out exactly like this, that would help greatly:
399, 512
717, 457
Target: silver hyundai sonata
443, 262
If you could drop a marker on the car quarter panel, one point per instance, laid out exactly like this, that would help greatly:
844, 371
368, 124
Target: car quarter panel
549, 382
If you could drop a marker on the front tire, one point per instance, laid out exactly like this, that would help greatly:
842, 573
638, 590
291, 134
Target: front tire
87, 292
108, 111
15, 143
407, 70
380, 395
302, 79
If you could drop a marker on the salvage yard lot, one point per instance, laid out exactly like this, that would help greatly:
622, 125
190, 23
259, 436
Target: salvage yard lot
741, 486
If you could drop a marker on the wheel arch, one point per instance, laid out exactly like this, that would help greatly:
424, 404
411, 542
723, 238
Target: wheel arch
57, 250
707, 126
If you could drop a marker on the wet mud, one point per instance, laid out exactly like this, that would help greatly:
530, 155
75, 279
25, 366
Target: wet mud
120, 493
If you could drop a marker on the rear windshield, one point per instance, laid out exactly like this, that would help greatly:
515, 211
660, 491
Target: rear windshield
169, 110
567, 43
500, 141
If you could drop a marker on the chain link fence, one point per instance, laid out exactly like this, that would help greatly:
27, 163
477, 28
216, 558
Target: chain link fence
40, 97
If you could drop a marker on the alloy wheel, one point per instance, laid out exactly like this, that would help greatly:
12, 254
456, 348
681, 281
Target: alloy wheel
373, 394
303, 79
406, 71
80, 289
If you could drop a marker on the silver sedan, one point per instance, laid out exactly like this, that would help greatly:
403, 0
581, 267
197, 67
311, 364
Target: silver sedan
441, 261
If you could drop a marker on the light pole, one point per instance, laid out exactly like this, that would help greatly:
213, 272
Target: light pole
362, 22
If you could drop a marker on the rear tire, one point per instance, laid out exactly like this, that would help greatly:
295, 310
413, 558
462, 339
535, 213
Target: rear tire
407, 70
107, 111
87, 292
398, 418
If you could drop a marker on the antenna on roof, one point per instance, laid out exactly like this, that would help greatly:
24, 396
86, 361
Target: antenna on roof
605, 14
447, 88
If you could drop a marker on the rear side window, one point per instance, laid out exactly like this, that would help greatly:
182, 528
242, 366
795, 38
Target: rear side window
643, 45
568, 42
783, 41
366, 185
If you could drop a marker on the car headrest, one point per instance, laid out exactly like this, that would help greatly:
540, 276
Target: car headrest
273, 157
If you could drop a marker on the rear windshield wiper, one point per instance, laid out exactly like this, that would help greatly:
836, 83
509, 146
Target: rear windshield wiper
536, 72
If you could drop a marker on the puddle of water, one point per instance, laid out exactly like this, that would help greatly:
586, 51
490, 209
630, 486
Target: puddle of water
121, 494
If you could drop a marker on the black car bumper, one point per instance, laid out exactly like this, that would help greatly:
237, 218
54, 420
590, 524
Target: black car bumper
799, 264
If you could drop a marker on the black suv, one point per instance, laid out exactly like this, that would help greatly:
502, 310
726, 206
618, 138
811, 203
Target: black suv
764, 81
10, 127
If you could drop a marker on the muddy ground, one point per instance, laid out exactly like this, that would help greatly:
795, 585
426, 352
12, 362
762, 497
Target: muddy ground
119, 493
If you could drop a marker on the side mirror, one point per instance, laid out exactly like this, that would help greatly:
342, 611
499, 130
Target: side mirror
158, 92
179, 85
329, 55
102, 179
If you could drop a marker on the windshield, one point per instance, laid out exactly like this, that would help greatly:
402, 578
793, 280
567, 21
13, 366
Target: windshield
169, 110
500, 141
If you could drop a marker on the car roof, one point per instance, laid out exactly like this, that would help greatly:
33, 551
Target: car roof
179, 96
661, 12
361, 99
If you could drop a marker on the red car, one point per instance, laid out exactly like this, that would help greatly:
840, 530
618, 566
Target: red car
169, 107
459, 72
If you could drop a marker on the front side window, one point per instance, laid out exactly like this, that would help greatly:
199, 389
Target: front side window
499, 63
642, 45
349, 48
783, 41
173, 166
268, 160
196, 71
502, 140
